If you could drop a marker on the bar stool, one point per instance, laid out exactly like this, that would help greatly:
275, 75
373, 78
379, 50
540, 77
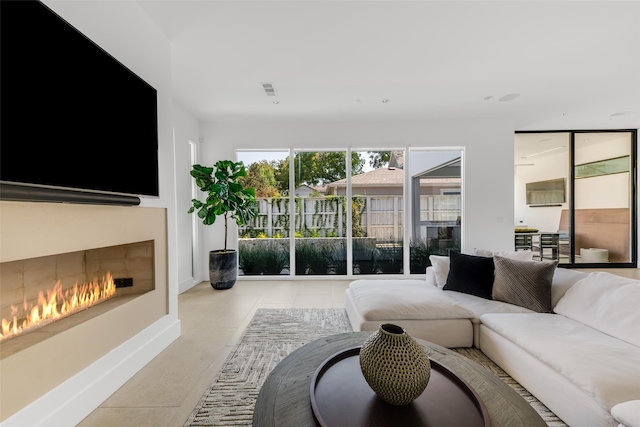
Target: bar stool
523, 242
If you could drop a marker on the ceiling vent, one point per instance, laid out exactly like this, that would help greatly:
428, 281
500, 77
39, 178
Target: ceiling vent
269, 89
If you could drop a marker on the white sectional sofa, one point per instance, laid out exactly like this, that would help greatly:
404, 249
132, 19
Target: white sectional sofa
580, 356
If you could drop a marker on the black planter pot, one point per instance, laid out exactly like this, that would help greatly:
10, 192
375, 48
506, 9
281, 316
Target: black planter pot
223, 268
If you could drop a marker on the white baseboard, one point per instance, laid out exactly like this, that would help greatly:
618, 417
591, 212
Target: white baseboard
185, 285
70, 402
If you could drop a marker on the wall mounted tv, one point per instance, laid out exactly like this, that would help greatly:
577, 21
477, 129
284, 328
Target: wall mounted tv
546, 193
72, 116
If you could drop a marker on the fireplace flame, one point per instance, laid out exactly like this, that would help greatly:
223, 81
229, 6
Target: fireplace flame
56, 305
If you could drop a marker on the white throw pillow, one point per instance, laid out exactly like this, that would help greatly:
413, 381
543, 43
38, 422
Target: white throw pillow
441, 268
606, 302
526, 255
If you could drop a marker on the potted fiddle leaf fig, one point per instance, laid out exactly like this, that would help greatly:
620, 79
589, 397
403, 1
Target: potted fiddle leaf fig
226, 197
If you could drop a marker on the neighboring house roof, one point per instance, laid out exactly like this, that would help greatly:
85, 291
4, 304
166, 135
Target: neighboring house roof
377, 177
384, 177
393, 176
318, 188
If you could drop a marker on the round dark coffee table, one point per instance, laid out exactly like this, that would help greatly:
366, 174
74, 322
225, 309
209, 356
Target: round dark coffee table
284, 400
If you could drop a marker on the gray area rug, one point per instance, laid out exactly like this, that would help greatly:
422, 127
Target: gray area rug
269, 338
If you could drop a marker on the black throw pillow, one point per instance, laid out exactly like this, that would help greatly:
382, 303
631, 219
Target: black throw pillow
470, 274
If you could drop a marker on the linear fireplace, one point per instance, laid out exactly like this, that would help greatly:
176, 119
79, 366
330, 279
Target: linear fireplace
42, 244
36, 292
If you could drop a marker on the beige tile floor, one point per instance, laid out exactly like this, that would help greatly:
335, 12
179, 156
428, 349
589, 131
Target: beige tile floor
165, 391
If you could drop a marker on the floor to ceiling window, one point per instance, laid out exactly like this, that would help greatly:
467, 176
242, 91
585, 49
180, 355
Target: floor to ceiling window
342, 213
377, 212
436, 205
263, 245
320, 218
575, 196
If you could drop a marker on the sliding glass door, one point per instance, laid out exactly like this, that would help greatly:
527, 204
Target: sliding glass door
542, 194
575, 195
603, 214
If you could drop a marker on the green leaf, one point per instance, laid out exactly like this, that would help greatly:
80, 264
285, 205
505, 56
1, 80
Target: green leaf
225, 193
210, 218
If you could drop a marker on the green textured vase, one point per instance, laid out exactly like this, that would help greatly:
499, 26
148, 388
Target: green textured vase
394, 365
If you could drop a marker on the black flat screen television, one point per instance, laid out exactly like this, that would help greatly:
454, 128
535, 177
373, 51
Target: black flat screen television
545, 193
71, 115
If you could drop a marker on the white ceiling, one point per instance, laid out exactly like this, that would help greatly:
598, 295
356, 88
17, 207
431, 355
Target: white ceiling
573, 65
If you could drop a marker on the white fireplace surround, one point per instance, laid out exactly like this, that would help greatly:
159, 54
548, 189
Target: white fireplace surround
91, 360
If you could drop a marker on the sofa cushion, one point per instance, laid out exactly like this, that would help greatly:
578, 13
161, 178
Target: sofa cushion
470, 274
480, 306
606, 302
404, 299
524, 283
521, 255
603, 366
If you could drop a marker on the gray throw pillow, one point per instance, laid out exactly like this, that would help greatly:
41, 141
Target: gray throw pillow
524, 283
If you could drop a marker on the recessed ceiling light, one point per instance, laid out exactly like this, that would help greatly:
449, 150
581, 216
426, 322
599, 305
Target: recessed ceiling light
509, 97
276, 102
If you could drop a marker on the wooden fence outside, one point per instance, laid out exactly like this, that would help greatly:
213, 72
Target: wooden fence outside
373, 216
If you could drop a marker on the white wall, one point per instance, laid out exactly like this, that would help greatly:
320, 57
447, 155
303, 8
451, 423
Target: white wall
186, 129
603, 192
607, 191
488, 167
550, 166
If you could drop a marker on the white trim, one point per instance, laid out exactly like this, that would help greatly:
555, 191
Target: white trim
292, 212
349, 214
187, 284
70, 402
195, 241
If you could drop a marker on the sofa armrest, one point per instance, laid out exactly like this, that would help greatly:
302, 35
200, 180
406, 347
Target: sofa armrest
431, 277
627, 413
